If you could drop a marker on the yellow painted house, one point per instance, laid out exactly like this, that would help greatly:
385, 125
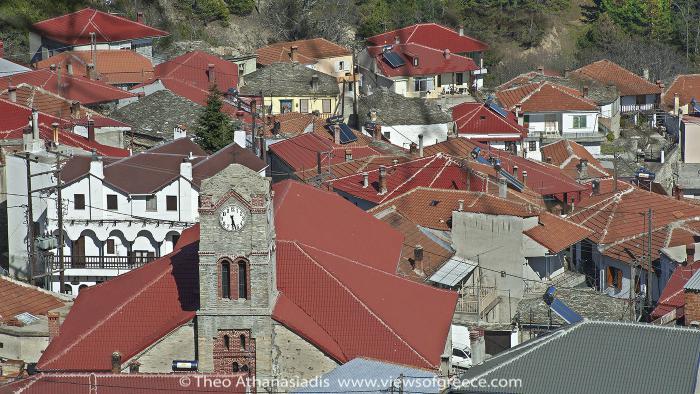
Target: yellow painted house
293, 87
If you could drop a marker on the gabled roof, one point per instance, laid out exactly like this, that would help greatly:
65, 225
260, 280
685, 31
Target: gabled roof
14, 119
482, 120
81, 89
308, 51
673, 296
112, 66
431, 35
438, 171
555, 233
289, 79
627, 82
567, 154
122, 315
394, 109
75, 28
687, 86
292, 124
192, 69
578, 347
431, 61
545, 97
342, 169
19, 297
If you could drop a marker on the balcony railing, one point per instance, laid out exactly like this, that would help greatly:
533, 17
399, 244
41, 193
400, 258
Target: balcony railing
638, 107
473, 300
98, 262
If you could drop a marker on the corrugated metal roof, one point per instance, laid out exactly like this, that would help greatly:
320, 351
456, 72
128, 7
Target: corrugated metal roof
453, 271
693, 282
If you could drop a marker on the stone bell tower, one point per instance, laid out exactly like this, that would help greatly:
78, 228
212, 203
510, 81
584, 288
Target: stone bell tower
237, 280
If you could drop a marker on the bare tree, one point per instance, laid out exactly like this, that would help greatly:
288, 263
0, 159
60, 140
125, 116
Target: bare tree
299, 19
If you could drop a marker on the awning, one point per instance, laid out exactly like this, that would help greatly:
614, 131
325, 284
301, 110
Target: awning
453, 271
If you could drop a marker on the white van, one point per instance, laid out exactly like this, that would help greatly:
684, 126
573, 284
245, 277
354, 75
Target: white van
461, 350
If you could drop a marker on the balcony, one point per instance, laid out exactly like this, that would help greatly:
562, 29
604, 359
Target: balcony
474, 301
626, 109
98, 262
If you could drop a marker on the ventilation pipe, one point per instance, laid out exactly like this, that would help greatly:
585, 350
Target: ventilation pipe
420, 145
116, 362
12, 93
382, 180
365, 180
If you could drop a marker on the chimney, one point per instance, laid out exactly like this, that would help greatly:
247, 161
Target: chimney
336, 134
54, 128
502, 187
52, 67
116, 362
585, 91
90, 70
420, 145
12, 93
524, 177
660, 84
35, 125
477, 345
461, 30
91, 130
446, 53
583, 169
418, 257
540, 69
75, 109
69, 68
519, 114
186, 169
382, 180
595, 187
548, 159
461, 205
378, 132
318, 162
179, 131
676, 103
263, 148
679, 192
645, 73
365, 180
515, 172
373, 115
134, 366
54, 325
692, 307
690, 253
293, 53
2, 49
210, 73
348, 154
412, 148
139, 17
314, 82
96, 166
397, 39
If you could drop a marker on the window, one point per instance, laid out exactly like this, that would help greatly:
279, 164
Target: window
459, 353
641, 99
111, 247
171, 203
326, 106
614, 278
341, 65
423, 84
580, 121
225, 280
532, 146
235, 367
439, 81
511, 147
460, 78
241, 68
242, 338
79, 202
526, 119
285, 106
242, 280
304, 106
112, 202
151, 204
227, 342
415, 62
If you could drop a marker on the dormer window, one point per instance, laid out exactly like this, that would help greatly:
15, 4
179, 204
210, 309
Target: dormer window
415, 61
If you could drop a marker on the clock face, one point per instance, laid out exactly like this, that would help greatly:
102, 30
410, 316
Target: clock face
232, 218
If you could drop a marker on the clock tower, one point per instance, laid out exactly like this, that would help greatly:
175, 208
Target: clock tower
237, 280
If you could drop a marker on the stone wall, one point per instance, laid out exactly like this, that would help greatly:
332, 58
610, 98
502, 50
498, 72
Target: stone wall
295, 358
692, 306
177, 345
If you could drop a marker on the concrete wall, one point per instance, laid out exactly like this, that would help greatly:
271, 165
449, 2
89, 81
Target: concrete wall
404, 135
294, 357
332, 65
26, 347
177, 345
690, 136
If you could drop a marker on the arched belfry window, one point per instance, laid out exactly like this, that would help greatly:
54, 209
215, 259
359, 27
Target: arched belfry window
227, 342
242, 341
225, 279
242, 280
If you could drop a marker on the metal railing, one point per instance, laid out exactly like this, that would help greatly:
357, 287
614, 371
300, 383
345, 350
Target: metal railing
98, 262
638, 107
472, 300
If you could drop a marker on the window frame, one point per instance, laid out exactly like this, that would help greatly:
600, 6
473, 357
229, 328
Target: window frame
168, 201
110, 246
459, 78
304, 103
532, 146
418, 83
577, 119
323, 106
225, 279
115, 199
152, 200
81, 206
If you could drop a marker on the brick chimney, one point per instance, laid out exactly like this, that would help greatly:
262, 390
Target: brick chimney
139, 17
420, 145
502, 187
336, 134
90, 71
373, 115
348, 154
211, 76
548, 159
134, 366
293, 53
365, 180
116, 362
378, 132
382, 180
412, 148
446, 53
179, 131
690, 253
54, 324
12, 93
692, 306
91, 130
585, 91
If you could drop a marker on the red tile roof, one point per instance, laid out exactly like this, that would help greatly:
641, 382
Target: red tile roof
121, 315
292, 124
480, 120
627, 82
76, 88
545, 97
299, 152
14, 119
114, 67
108, 383
527, 77
431, 61
308, 51
367, 163
555, 233
19, 297
75, 28
431, 35
192, 69
437, 171
687, 86
567, 154
673, 296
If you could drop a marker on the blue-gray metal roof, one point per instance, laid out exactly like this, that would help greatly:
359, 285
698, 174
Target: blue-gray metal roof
694, 282
371, 376
598, 357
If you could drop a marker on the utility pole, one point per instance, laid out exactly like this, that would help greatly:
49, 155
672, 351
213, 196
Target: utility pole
30, 220
253, 103
354, 86
478, 292
615, 171
631, 293
59, 208
649, 259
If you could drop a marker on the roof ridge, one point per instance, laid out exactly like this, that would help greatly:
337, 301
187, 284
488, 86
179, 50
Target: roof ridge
413, 176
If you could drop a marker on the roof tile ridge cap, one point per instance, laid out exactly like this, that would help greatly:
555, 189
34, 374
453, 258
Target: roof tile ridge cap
565, 219
646, 326
90, 22
447, 163
114, 312
395, 198
472, 113
413, 176
533, 92
564, 91
352, 294
594, 207
544, 341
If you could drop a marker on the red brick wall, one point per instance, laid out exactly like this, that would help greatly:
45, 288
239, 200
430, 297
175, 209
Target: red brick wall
54, 325
224, 358
692, 306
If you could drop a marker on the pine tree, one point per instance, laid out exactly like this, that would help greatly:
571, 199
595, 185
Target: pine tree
214, 129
